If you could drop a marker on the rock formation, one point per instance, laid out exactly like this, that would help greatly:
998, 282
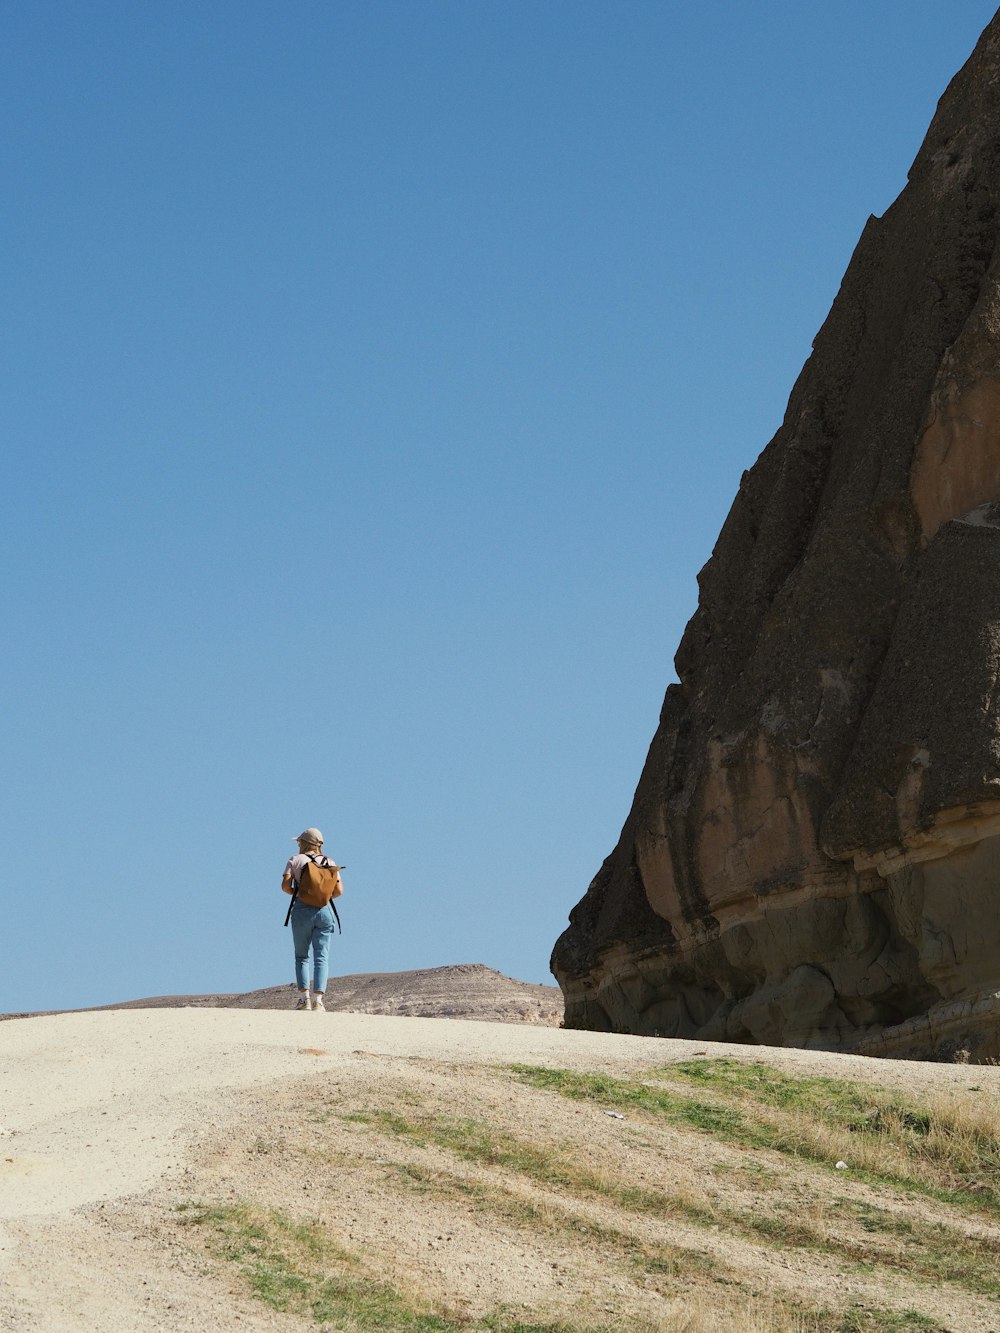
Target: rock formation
813, 853
461, 990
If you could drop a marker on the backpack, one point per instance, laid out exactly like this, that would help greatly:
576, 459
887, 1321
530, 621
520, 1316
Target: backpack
318, 884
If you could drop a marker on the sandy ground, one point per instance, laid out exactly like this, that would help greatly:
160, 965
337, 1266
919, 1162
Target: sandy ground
105, 1118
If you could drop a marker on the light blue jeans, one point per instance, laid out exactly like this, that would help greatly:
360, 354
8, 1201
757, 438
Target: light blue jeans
312, 927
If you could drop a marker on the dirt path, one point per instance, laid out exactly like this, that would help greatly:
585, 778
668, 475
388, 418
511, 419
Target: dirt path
137, 1148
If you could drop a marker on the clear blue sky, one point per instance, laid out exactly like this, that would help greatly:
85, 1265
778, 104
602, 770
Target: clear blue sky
377, 377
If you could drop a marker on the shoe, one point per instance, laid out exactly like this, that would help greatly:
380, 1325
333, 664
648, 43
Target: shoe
318, 1005
303, 1002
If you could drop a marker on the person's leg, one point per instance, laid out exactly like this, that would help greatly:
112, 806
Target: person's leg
322, 934
302, 924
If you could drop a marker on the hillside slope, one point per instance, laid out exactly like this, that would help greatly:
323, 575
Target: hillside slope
461, 990
188, 1169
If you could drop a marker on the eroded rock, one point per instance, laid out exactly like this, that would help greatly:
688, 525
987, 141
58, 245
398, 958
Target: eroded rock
813, 853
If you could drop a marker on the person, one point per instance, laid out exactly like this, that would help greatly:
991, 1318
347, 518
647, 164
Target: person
312, 927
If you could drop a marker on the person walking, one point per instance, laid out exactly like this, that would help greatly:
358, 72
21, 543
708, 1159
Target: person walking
312, 927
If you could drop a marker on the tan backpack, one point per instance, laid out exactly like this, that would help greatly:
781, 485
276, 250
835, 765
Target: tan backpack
318, 884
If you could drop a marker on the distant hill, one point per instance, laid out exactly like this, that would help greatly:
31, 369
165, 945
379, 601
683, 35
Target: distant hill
462, 990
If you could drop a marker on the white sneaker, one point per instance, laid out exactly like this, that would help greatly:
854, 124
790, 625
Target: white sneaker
303, 1001
318, 1005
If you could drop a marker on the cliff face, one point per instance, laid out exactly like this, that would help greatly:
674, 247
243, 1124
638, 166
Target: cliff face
813, 853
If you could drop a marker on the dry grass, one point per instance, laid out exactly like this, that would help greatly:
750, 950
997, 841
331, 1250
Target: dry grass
857, 1232
297, 1267
947, 1146
675, 1220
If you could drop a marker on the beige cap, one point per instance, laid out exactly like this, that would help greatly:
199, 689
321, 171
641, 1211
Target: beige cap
310, 835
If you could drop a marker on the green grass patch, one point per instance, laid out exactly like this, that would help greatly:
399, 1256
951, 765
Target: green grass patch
930, 1253
941, 1150
854, 1106
669, 1269
294, 1267
922, 1250
518, 1211
929, 1250
663, 1103
887, 1140
475, 1141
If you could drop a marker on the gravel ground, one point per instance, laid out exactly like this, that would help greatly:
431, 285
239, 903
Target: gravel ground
105, 1116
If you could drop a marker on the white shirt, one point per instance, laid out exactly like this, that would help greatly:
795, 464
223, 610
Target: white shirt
297, 863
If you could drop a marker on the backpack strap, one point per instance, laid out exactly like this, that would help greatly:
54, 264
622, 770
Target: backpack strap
309, 857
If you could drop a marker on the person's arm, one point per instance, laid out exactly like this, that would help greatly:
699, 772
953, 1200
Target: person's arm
338, 887
286, 883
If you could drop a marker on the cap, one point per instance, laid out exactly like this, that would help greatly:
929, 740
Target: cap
310, 835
